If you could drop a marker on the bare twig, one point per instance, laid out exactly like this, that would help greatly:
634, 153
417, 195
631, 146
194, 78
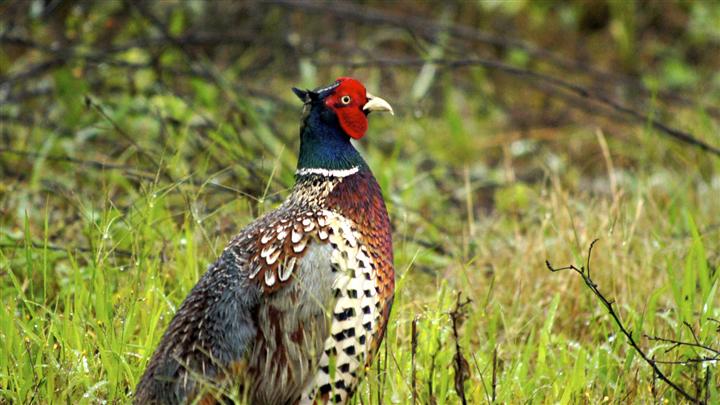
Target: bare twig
494, 376
690, 361
584, 272
678, 343
708, 372
84, 162
190, 39
58, 248
413, 352
462, 368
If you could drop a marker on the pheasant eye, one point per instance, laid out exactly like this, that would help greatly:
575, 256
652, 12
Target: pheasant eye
345, 100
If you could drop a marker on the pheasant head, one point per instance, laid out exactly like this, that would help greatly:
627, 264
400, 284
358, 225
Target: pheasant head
331, 117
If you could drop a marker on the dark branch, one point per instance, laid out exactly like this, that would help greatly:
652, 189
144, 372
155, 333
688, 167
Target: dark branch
608, 304
678, 135
83, 162
57, 248
430, 29
679, 343
462, 367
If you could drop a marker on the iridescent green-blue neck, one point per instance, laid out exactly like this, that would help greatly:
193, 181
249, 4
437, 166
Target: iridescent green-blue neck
324, 145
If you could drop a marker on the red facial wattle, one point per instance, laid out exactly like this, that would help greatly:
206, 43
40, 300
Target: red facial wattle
351, 116
354, 123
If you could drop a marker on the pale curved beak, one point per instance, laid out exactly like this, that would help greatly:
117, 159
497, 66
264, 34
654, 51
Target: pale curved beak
375, 103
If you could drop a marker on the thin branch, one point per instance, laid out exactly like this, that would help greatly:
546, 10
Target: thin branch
133, 172
190, 39
678, 135
461, 365
202, 69
494, 376
57, 248
679, 343
585, 275
690, 361
413, 353
84, 162
429, 29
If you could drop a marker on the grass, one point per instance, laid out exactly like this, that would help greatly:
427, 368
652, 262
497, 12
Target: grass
81, 324
95, 257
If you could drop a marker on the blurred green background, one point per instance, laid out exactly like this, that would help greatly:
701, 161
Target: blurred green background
137, 137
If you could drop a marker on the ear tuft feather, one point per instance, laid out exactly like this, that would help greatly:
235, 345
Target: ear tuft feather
302, 94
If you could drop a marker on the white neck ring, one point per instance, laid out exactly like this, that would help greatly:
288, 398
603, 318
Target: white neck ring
327, 172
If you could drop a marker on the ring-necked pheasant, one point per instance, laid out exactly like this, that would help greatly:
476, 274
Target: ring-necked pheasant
297, 304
